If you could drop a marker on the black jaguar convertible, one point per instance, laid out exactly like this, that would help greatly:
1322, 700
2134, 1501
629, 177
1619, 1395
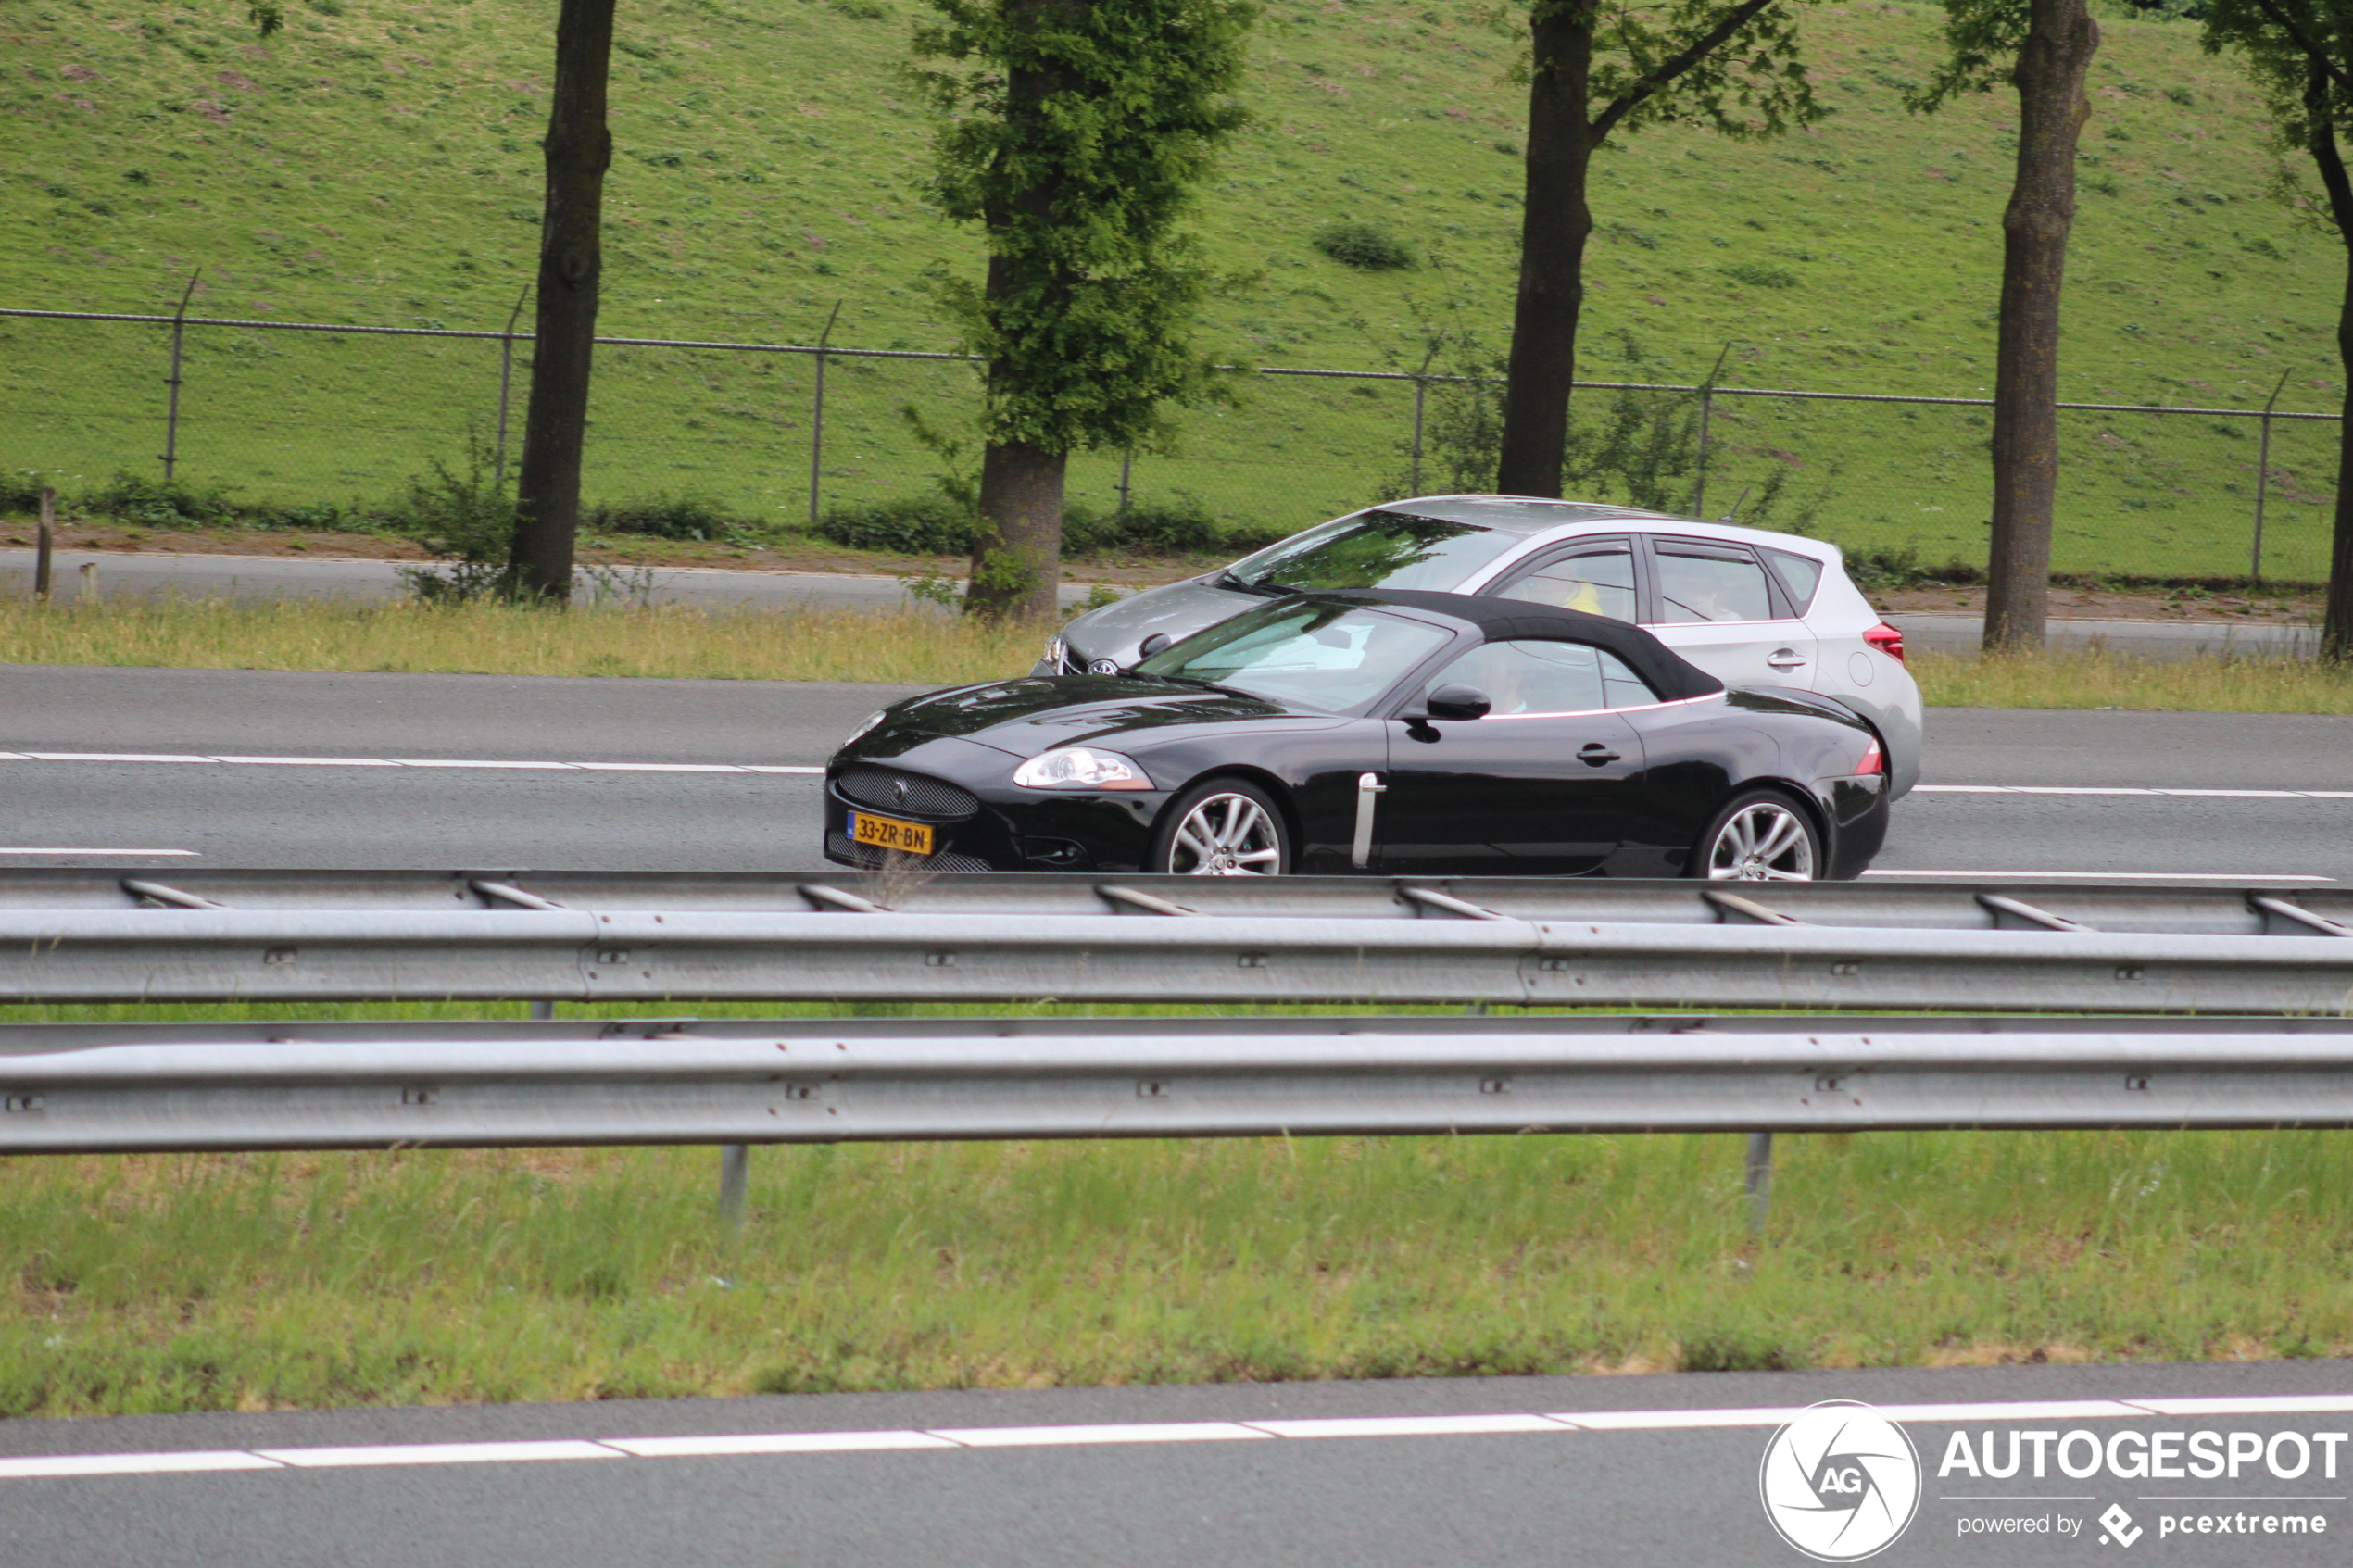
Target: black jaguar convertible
1384, 732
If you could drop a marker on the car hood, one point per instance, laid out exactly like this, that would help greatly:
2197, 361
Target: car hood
1179, 609
1037, 713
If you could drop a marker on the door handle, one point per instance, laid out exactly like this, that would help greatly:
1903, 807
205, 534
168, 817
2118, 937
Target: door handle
1595, 754
1784, 659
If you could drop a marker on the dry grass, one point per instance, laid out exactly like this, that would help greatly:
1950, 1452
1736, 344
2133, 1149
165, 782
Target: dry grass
2097, 679
916, 648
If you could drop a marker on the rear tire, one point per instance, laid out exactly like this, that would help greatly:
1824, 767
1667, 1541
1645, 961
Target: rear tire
1226, 827
1760, 835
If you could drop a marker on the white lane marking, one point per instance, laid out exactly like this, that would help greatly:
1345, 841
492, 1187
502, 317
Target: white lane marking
132, 1465
1159, 1432
1653, 1421
776, 1443
40, 851
1143, 1432
1410, 1425
439, 1453
2111, 789
2275, 1404
2116, 876
153, 757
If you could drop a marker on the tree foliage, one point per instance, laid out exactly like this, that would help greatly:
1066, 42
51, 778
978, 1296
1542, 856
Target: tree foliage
1981, 40
1735, 69
1085, 323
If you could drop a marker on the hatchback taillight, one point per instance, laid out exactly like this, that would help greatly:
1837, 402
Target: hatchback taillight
1874, 759
1887, 639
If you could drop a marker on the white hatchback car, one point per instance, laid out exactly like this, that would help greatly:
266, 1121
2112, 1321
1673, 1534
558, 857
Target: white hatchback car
1751, 607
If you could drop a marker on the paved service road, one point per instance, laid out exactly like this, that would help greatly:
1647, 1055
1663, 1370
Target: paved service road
272, 811
260, 579
1653, 1470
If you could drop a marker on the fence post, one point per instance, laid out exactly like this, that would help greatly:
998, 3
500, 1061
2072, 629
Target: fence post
1707, 407
817, 416
2263, 480
171, 414
1759, 1180
1126, 464
43, 541
1421, 391
506, 380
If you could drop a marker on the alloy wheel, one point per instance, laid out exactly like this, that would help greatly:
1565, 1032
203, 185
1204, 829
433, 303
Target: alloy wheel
1227, 834
1762, 842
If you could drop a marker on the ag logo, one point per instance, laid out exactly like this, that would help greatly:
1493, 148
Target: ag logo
1840, 1482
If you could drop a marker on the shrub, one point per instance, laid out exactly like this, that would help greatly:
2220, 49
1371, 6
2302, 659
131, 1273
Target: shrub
916, 525
466, 521
20, 489
663, 517
1366, 246
1181, 526
161, 503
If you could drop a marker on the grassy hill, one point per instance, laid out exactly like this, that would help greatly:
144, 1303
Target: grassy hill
375, 165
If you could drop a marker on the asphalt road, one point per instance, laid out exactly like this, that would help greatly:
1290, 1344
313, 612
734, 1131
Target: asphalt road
1619, 1481
273, 813
254, 579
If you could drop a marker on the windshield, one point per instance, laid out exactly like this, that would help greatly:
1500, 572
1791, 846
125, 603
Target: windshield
1377, 550
1331, 659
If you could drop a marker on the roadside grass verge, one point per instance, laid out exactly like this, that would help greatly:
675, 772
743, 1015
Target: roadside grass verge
250, 1282
921, 648
914, 646
2096, 678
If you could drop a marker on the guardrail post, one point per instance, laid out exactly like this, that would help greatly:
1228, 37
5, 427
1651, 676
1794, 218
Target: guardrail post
43, 541
172, 411
1759, 1180
89, 583
542, 1011
734, 1174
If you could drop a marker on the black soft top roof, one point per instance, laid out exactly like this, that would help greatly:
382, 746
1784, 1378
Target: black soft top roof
1670, 674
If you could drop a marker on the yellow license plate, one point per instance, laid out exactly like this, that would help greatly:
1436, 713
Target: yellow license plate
883, 832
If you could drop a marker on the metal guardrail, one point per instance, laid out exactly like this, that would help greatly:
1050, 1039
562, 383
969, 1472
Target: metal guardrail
1775, 945
112, 1088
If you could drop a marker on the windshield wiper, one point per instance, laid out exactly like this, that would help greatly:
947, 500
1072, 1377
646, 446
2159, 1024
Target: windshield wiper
1242, 584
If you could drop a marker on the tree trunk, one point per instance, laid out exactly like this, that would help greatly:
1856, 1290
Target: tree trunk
2336, 620
1017, 560
2060, 40
1554, 224
579, 150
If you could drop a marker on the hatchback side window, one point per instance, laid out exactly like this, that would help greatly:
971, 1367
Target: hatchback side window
1598, 580
1800, 575
1703, 582
1530, 676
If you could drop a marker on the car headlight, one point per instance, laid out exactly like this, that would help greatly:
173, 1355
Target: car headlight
1055, 651
864, 725
1081, 767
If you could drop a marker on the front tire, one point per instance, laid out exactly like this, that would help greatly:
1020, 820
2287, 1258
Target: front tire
1223, 828
1760, 836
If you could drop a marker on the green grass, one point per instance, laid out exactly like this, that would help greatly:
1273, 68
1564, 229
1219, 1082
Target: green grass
376, 165
165, 1283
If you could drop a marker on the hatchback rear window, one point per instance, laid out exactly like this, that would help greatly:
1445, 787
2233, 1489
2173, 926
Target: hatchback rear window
1382, 550
1700, 581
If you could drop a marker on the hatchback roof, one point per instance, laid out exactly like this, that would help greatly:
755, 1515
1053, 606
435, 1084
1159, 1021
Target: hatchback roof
1517, 514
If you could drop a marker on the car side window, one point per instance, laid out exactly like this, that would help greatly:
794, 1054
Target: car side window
1620, 686
1706, 581
1800, 575
1533, 676
1598, 580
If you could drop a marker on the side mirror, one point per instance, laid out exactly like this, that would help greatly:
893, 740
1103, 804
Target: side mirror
1152, 645
1459, 702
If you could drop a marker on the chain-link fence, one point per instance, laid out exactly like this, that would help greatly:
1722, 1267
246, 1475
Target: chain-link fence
291, 415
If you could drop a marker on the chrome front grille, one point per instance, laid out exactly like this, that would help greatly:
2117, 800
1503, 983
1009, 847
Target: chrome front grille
866, 856
912, 793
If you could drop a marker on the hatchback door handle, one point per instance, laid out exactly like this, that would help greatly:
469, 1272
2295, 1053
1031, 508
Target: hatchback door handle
1596, 754
1784, 659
